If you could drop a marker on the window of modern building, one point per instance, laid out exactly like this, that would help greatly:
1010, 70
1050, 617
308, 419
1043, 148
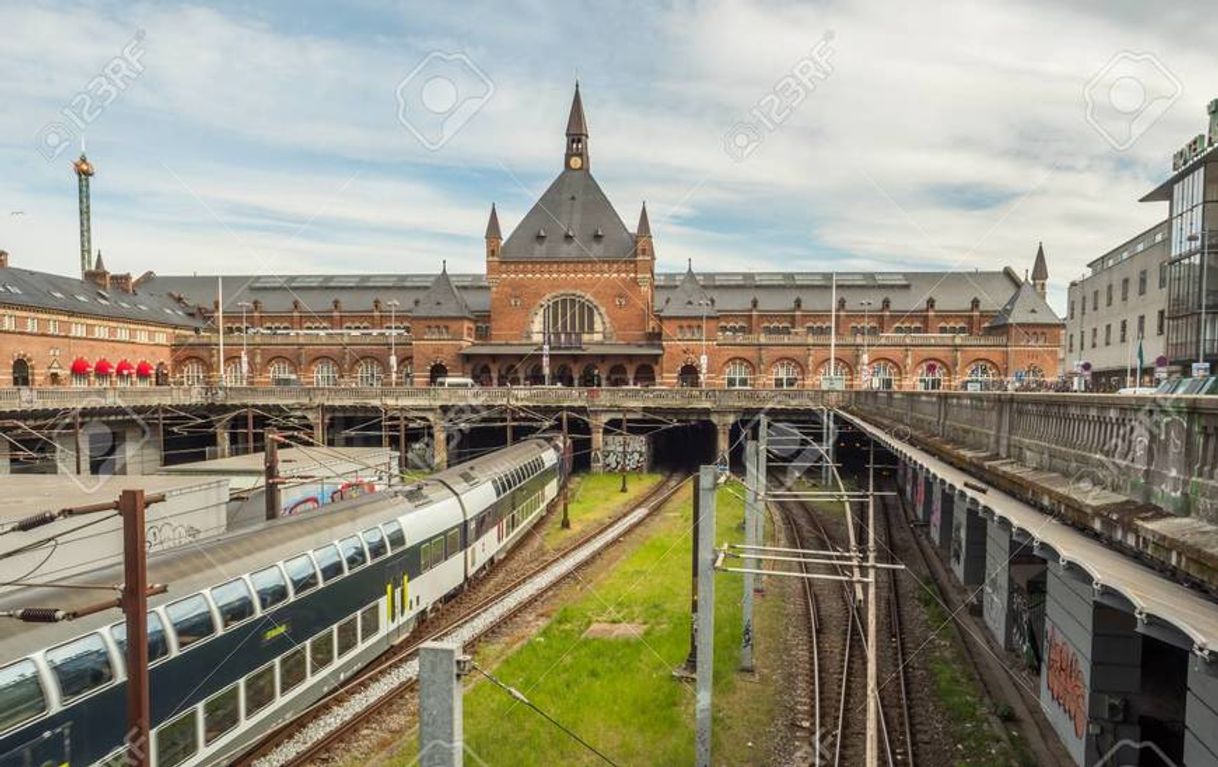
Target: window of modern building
1094, 334
1142, 280
1108, 295
1160, 322
1070, 343
1095, 300
1124, 330
1125, 289
1108, 334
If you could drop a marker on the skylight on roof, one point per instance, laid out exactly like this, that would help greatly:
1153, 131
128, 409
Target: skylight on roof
80, 298
57, 294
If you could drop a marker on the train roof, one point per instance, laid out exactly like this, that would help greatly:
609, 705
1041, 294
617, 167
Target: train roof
194, 567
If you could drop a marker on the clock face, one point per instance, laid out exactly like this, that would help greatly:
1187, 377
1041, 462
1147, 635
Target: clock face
576, 163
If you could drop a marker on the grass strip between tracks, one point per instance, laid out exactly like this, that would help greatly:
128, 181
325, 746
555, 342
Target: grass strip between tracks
618, 692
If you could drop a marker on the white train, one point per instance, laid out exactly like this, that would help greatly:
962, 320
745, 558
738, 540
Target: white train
258, 624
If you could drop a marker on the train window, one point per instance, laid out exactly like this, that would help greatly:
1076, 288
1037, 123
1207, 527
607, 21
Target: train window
329, 562
293, 668
348, 636
376, 542
454, 542
191, 619
321, 652
21, 696
353, 552
393, 531
302, 573
80, 666
369, 622
259, 689
234, 601
178, 740
221, 714
270, 586
158, 644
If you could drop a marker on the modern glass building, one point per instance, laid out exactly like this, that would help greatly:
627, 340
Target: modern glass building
1192, 304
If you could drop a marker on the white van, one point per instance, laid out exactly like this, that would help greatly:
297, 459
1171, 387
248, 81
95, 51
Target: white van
455, 382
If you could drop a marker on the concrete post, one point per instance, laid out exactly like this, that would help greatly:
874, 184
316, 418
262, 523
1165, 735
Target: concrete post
5, 456
723, 435
706, 614
752, 482
439, 439
596, 429
441, 733
224, 447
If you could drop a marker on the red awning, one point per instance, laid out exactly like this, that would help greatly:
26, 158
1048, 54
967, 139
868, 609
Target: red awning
124, 368
144, 369
103, 367
81, 366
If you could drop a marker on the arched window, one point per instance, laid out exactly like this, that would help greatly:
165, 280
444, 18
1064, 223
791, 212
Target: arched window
644, 375
786, 375
568, 320
536, 376
482, 375
281, 372
194, 373
618, 376
982, 376
590, 376
982, 370
234, 373
436, 372
687, 376
21, 372
368, 372
738, 375
325, 373
563, 376
883, 375
406, 372
930, 376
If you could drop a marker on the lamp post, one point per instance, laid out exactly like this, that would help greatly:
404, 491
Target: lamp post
245, 332
1204, 238
393, 305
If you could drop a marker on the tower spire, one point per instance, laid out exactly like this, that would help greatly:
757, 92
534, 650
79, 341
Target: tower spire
577, 135
1040, 271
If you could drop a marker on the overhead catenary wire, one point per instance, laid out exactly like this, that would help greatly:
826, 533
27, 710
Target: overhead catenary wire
519, 697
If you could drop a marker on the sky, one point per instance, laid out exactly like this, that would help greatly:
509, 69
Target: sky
293, 137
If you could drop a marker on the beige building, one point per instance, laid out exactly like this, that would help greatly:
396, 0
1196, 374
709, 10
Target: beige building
1123, 300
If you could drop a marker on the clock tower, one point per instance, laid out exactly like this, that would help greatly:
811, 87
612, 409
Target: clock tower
577, 136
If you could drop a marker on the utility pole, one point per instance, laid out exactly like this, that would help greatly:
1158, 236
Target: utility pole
566, 446
691, 660
403, 458
135, 607
441, 730
751, 494
704, 551
509, 418
271, 464
872, 649
249, 430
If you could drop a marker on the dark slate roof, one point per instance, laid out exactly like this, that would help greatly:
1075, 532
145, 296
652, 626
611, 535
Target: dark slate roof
441, 299
55, 292
688, 300
730, 291
317, 292
1040, 269
1025, 307
577, 220
907, 292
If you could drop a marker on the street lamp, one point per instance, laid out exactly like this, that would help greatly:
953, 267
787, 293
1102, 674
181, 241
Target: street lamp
245, 332
1204, 238
393, 305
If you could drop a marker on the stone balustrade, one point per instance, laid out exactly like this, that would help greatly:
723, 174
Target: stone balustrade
1153, 450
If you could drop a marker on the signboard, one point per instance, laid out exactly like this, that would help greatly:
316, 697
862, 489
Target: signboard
833, 383
702, 364
1201, 369
545, 362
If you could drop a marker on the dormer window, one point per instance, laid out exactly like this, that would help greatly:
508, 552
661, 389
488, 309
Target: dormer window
541, 233
599, 233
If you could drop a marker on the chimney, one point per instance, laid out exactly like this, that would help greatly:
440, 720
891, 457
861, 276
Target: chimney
1212, 108
3, 259
122, 282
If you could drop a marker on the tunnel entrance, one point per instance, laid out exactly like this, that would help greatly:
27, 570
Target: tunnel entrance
683, 446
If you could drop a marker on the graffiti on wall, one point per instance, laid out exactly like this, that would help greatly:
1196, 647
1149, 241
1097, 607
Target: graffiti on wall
633, 455
936, 514
166, 535
1064, 677
919, 497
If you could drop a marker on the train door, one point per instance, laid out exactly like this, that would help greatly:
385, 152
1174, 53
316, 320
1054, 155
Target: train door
397, 601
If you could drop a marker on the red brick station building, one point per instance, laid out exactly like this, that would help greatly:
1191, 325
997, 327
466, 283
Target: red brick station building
570, 296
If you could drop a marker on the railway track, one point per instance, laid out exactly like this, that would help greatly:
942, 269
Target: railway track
839, 667
341, 711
